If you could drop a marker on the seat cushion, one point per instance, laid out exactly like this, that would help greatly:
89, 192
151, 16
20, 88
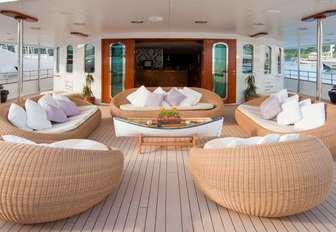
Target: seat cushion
199, 106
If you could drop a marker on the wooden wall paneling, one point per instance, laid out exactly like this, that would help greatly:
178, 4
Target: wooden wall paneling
206, 77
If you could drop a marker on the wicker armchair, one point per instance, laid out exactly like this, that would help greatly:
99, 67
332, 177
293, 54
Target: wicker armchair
41, 184
207, 97
269, 180
81, 132
325, 133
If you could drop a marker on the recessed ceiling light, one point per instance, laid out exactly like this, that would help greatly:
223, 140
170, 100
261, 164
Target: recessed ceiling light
11, 39
66, 12
201, 21
259, 24
274, 11
137, 21
155, 18
327, 39
303, 28
8, 33
78, 24
330, 33
35, 28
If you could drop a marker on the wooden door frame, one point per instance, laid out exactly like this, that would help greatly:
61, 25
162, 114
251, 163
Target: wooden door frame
129, 66
206, 78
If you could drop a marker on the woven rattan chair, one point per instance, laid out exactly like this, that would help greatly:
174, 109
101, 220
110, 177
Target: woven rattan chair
269, 180
81, 132
326, 133
207, 97
41, 184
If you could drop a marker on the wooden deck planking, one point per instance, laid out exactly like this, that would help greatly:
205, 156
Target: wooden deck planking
157, 193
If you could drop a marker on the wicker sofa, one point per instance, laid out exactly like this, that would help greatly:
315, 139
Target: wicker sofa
269, 180
325, 133
82, 131
41, 184
208, 97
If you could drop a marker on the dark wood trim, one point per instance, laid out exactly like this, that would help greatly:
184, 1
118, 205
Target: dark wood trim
259, 34
321, 15
129, 68
18, 15
80, 34
180, 41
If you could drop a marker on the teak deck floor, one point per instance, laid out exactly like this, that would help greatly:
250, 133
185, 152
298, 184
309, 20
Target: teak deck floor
157, 193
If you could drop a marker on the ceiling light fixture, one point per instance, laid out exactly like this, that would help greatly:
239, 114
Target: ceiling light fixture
137, 21
11, 39
259, 24
201, 21
3, 1
78, 24
79, 34
303, 28
35, 28
155, 18
259, 34
66, 12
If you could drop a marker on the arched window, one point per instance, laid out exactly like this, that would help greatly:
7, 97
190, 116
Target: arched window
268, 60
89, 58
248, 57
58, 59
280, 61
69, 59
219, 69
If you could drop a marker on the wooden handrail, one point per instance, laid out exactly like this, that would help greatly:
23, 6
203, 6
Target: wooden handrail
18, 15
321, 15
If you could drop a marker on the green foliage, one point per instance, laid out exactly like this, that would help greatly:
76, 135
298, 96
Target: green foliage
1, 87
251, 90
87, 92
168, 113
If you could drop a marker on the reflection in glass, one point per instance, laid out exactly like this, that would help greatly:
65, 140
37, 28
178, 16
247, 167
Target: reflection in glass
58, 59
69, 59
279, 61
248, 58
117, 67
268, 60
89, 58
219, 69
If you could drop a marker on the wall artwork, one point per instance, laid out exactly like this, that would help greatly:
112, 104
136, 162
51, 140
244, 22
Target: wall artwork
154, 54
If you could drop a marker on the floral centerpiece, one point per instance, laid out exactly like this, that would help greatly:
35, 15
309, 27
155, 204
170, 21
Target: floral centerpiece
168, 116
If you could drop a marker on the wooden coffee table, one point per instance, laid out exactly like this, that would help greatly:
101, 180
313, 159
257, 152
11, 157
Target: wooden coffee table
147, 128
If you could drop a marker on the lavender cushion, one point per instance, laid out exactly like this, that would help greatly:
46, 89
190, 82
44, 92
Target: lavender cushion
69, 107
55, 114
154, 99
174, 97
270, 107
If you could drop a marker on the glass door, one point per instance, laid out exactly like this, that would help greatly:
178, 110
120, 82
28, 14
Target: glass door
219, 69
117, 68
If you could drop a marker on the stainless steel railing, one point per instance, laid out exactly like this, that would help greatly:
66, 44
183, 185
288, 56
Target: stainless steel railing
327, 77
12, 77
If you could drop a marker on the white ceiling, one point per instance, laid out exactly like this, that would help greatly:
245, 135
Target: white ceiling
102, 18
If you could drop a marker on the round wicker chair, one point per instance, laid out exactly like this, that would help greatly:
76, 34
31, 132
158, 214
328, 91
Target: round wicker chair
269, 180
42, 184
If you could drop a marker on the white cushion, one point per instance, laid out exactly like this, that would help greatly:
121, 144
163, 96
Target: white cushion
270, 138
295, 97
138, 97
160, 90
290, 113
199, 106
18, 117
244, 142
282, 95
165, 104
219, 143
57, 96
305, 102
313, 116
198, 95
36, 116
17, 139
82, 144
289, 137
189, 100
47, 99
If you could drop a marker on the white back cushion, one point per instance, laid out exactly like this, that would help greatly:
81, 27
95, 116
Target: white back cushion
57, 96
219, 143
189, 100
289, 137
198, 95
47, 99
244, 142
282, 95
305, 102
138, 97
290, 113
270, 138
313, 116
17, 139
36, 116
18, 117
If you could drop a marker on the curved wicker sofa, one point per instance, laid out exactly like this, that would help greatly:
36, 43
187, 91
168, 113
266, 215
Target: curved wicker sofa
269, 180
326, 133
207, 97
83, 131
41, 184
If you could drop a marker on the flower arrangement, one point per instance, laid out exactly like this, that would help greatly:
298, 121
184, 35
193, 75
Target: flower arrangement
168, 116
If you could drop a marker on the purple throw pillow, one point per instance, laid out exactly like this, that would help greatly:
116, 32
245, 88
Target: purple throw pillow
55, 114
270, 107
154, 99
69, 108
174, 97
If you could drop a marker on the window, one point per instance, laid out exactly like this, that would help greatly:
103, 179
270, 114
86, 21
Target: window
219, 69
280, 61
248, 58
58, 59
268, 60
69, 59
89, 58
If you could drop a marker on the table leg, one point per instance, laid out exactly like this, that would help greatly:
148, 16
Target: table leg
139, 144
193, 140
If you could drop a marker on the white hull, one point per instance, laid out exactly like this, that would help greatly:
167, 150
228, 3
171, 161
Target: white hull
331, 64
125, 128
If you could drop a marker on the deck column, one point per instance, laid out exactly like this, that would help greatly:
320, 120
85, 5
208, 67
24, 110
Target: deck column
299, 67
38, 69
319, 59
20, 59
